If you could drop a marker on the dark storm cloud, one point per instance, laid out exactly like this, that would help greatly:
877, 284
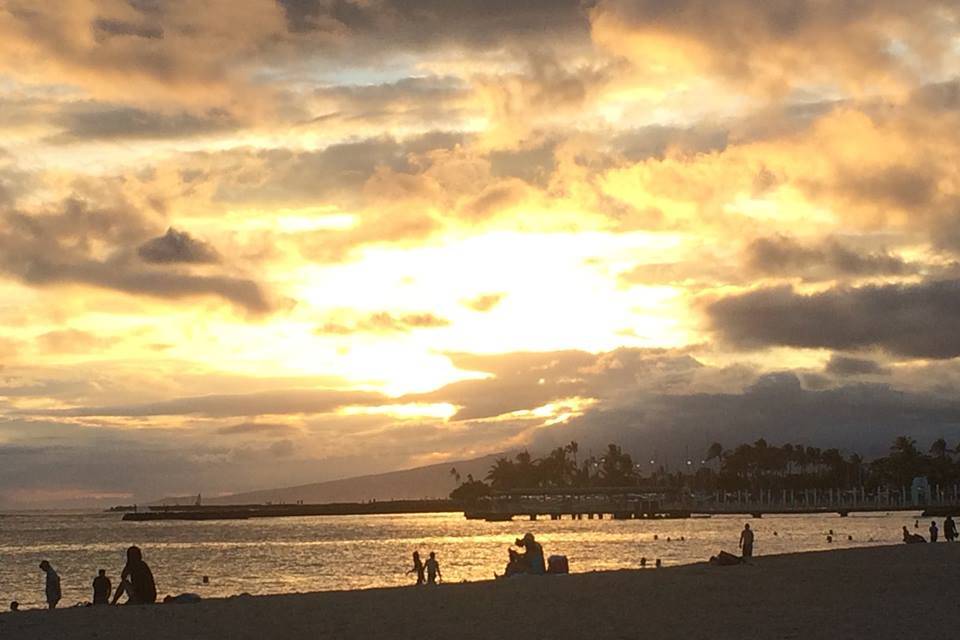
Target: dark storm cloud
97, 121
909, 320
57, 247
847, 366
177, 246
862, 418
784, 256
291, 401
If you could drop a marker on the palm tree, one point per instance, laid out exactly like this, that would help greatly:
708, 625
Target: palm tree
572, 449
502, 474
455, 474
939, 448
715, 452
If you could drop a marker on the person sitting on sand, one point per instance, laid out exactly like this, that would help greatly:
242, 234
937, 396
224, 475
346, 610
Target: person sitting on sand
746, 541
515, 565
101, 588
53, 592
433, 569
934, 532
532, 555
136, 580
724, 559
417, 568
183, 598
949, 529
912, 538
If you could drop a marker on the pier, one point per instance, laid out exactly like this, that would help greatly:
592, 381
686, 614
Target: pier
624, 503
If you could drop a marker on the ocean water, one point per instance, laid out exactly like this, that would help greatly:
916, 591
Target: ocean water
279, 555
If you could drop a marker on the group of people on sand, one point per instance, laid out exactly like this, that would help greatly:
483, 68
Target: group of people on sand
949, 532
531, 561
136, 582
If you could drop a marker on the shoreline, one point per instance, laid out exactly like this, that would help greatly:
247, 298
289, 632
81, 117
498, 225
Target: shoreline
876, 592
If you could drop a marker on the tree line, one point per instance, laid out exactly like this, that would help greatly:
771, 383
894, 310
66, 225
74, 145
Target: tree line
747, 466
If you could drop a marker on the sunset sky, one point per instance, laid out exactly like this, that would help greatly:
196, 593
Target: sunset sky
247, 244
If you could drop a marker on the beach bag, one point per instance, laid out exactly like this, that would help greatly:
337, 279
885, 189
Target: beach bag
558, 564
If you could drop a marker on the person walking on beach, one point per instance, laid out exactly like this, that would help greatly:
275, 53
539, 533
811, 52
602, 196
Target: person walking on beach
53, 592
136, 580
101, 588
933, 531
949, 529
746, 541
417, 568
433, 569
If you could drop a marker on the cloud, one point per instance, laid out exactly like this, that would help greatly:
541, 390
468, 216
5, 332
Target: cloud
72, 341
61, 247
781, 44
177, 246
784, 256
384, 322
273, 429
485, 302
94, 121
846, 366
674, 427
291, 401
908, 320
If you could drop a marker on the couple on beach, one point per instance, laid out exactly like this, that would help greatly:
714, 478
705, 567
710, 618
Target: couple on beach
530, 561
431, 567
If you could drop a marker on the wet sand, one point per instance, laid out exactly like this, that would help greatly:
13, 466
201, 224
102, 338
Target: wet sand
881, 592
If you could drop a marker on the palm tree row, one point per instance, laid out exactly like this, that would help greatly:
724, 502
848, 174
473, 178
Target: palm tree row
747, 466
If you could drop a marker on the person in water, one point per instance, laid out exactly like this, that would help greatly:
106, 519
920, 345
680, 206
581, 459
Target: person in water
532, 554
433, 569
101, 588
746, 541
417, 568
949, 529
934, 532
136, 580
52, 590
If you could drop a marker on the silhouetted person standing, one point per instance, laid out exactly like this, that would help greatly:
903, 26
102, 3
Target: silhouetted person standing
433, 569
933, 531
136, 580
101, 588
746, 541
417, 568
949, 529
53, 592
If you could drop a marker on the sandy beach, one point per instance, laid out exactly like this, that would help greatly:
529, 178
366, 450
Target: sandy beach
885, 592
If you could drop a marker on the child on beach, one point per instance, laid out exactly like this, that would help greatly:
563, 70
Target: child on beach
433, 569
